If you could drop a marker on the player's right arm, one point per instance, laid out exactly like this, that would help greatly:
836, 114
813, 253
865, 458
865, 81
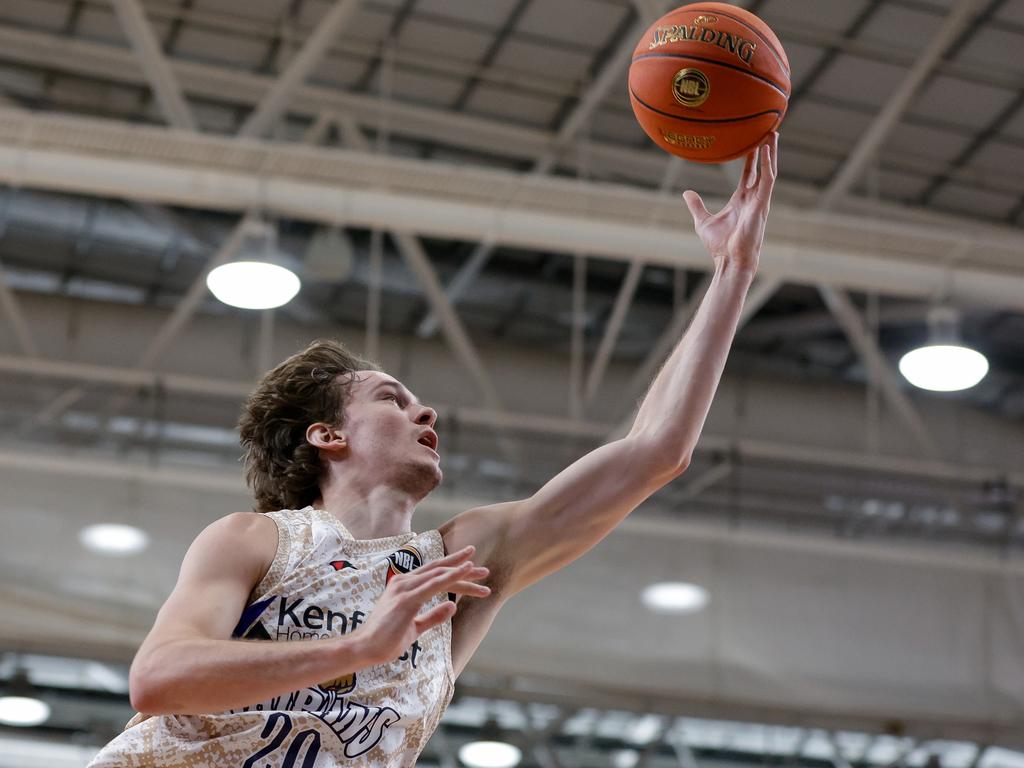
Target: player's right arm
189, 664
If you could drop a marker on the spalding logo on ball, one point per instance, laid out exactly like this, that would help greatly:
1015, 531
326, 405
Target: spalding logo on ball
709, 82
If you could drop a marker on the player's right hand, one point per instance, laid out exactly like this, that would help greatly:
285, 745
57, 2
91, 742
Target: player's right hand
397, 620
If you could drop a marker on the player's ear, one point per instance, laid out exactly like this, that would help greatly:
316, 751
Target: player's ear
325, 437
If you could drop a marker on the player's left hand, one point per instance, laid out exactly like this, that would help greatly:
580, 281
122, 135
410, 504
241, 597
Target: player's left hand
733, 235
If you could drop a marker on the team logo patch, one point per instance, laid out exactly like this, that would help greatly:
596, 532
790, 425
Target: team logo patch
408, 558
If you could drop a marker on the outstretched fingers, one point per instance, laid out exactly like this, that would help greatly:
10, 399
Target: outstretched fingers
769, 167
459, 579
455, 558
697, 209
749, 177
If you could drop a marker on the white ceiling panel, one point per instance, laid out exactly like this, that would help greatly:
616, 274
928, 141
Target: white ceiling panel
852, 78
96, 96
454, 42
101, 24
802, 60
492, 13
924, 141
994, 47
616, 126
839, 16
368, 24
22, 82
339, 70
41, 14
1014, 126
517, 54
900, 185
1012, 11
972, 200
904, 28
580, 22
998, 158
198, 43
505, 103
423, 88
256, 9
808, 165
955, 101
212, 117
814, 118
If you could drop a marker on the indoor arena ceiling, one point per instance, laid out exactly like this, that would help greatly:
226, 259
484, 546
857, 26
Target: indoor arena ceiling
468, 197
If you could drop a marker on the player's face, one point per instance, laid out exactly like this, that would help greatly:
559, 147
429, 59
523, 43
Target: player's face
390, 434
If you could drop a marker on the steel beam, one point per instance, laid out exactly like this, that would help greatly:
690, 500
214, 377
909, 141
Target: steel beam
878, 367
760, 292
168, 331
743, 448
155, 66
439, 200
869, 143
870, 140
197, 291
684, 755
467, 273
611, 332
276, 100
12, 310
622, 301
576, 336
697, 484
610, 74
82, 57
455, 333
657, 355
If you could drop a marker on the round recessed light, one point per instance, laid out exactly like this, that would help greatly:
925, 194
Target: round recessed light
943, 367
114, 539
23, 710
675, 597
253, 284
490, 754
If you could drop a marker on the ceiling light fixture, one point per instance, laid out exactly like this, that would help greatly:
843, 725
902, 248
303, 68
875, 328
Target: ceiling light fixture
944, 364
261, 279
674, 597
19, 706
490, 754
113, 539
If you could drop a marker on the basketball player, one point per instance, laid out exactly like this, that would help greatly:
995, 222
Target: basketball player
324, 632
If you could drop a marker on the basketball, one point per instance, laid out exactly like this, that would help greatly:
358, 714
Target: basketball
709, 81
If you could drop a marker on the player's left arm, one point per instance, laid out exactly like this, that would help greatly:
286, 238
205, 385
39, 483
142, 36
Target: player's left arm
523, 541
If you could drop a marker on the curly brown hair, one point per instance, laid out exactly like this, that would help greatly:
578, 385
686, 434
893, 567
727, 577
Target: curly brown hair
281, 467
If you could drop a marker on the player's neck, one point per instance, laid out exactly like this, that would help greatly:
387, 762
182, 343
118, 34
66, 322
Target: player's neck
369, 513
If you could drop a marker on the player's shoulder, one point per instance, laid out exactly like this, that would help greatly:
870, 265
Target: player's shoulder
240, 541
243, 522
241, 528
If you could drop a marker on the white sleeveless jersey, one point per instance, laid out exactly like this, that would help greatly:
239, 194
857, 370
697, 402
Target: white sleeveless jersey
322, 583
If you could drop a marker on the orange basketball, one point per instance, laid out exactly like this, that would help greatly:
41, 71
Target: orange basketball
709, 81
